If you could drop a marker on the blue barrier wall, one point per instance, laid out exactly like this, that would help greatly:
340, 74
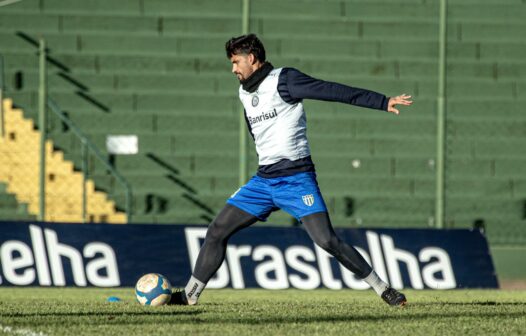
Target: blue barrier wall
269, 257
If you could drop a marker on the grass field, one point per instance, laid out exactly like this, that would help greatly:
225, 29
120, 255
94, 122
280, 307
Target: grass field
72, 311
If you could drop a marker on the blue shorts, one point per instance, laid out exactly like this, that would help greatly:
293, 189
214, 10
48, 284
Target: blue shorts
299, 195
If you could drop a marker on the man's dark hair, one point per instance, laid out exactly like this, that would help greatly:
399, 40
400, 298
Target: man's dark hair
245, 44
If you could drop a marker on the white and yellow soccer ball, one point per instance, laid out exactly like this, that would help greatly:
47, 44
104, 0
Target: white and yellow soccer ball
153, 289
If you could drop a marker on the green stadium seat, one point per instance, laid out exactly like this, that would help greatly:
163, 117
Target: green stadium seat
125, 45
157, 69
479, 32
476, 187
54, 41
499, 11
167, 124
350, 184
497, 51
421, 167
515, 70
470, 167
100, 7
352, 166
166, 102
129, 24
344, 46
191, 8
406, 11
487, 129
221, 26
504, 109
171, 83
463, 90
420, 30
510, 167
23, 7
136, 63
13, 22
300, 8
496, 149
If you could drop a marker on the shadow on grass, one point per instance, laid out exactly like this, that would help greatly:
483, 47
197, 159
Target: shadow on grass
411, 313
257, 320
101, 314
476, 303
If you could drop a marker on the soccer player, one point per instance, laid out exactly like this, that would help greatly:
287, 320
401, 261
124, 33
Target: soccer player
286, 177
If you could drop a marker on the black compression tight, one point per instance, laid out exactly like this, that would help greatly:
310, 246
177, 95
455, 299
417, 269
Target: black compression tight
212, 253
232, 219
320, 230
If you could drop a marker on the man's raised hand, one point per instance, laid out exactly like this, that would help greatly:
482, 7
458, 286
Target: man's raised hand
402, 99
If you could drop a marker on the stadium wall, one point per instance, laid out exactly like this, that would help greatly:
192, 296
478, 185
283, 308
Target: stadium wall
157, 69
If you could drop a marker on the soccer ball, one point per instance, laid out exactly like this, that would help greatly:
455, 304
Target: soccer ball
153, 289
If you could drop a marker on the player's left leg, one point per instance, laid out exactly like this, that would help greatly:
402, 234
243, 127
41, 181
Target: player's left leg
320, 230
229, 221
250, 203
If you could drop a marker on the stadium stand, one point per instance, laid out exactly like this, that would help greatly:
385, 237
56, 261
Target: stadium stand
10, 208
20, 170
157, 69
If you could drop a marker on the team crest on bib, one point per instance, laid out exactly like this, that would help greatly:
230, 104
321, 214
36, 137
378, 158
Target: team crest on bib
308, 200
255, 101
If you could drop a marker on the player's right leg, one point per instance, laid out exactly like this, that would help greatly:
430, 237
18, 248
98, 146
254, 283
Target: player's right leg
230, 220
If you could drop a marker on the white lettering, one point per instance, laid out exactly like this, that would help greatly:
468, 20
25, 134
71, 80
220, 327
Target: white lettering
107, 261
324, 263
293, 256
443, 264
377, 258
234, 254
11, 263
39, 250
276, 264
271, 265
56, 251
393, 256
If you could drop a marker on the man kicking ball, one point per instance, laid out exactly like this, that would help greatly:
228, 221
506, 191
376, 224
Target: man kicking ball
274, 112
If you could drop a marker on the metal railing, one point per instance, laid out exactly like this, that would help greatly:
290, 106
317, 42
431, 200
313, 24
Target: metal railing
87, 147
243, 138
441, 118
42, 122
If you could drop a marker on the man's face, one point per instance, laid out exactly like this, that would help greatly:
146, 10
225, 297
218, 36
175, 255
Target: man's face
242, 65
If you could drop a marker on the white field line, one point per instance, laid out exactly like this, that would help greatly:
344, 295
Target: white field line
17, 331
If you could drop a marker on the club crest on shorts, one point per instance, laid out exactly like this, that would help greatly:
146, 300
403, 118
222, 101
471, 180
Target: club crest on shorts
308, 199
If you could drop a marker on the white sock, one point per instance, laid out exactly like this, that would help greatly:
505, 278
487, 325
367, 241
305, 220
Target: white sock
193, 289
376, 283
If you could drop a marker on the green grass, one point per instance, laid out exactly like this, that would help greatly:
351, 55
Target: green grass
73, 311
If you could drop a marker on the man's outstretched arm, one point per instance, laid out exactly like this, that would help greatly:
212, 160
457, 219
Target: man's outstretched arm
293, 86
